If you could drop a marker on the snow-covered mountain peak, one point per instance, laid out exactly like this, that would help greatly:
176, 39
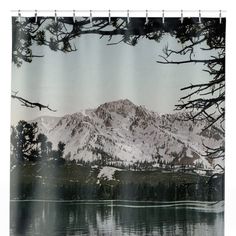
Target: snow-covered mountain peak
123, 132
123, 107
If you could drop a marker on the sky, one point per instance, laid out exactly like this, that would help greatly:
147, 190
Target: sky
97, 73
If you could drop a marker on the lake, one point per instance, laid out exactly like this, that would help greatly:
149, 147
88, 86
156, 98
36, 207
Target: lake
65, 218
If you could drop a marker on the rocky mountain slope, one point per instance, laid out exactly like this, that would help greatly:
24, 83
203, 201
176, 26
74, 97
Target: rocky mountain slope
122, 132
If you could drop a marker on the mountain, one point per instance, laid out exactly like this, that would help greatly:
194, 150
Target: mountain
122, 132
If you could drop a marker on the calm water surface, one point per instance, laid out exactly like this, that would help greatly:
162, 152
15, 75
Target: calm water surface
60, 218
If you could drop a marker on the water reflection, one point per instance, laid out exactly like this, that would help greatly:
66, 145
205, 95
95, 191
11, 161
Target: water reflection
115, 218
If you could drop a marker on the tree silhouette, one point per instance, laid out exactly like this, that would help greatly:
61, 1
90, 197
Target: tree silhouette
24, 142
42, 141
61, 148
29, 145
57, 155
49, 148
204, 101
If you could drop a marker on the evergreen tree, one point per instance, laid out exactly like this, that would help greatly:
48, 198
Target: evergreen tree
49, 148
42, 141
24, 142
61, 148
27, 145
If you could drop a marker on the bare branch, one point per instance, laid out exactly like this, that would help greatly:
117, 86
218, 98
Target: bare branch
189, 61
27, 103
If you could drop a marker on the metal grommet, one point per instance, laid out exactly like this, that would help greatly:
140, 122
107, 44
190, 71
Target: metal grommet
36, 16
163, 16
91, 17
146, 22
109, 16
182, 17
220, 17
74, 16
55, 18
200, 17
19, 16
128, 16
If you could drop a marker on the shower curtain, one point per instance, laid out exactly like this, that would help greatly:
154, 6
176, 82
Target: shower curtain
117, 126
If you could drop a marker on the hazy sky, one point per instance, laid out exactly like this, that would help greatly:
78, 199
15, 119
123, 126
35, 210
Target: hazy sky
97, 73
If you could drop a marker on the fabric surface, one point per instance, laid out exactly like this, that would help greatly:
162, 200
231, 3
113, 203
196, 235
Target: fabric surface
117, 126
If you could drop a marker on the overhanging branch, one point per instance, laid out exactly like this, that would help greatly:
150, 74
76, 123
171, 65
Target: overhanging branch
27, 103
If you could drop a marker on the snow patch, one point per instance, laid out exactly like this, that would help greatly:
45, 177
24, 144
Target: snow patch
107, 172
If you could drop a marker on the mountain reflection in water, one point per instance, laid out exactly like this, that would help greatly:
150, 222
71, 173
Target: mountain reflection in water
64, 218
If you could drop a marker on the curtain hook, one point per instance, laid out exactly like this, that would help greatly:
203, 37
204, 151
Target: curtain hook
55, 16
74, 16
163, 16
36, 16
128, 16
109, 16
200, 17
182, 17
146, 17
91, 17
220, 15
19, 16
